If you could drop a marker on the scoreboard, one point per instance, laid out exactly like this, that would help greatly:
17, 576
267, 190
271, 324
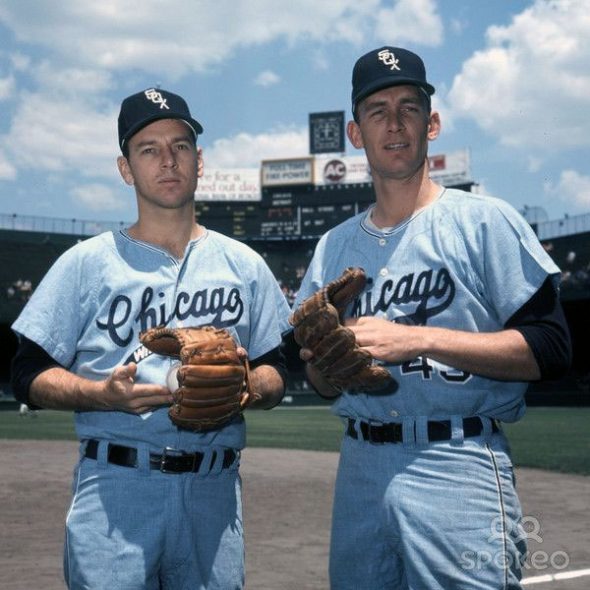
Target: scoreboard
296, 213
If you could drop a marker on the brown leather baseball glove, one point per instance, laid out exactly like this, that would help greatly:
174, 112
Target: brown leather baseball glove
318, 326
213, 381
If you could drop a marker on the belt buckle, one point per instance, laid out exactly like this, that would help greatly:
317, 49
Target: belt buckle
170, 452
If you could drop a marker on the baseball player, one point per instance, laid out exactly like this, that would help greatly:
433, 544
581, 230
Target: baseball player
154, 505
461, 307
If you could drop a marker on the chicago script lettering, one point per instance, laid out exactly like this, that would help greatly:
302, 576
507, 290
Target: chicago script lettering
221, 306
432, 291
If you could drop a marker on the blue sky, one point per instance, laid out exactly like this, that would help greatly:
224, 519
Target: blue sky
512, 84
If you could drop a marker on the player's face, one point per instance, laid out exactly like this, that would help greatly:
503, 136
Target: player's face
394, 129
163, 164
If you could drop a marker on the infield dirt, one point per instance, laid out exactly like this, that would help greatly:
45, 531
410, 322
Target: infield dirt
287, 512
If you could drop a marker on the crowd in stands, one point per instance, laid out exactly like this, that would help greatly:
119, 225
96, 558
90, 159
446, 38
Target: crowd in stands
574, 265
20, 290
288, 263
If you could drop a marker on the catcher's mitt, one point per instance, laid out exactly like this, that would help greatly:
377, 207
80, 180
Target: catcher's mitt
213, 382
318, 326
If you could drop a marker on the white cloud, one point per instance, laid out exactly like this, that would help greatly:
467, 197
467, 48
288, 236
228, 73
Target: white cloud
573, 189
20, 61
191, 36
267, 78
530, 86
458, 25
7, 87
194, 36
7, 170
534, 164
71, 81
55, 133
413, 21
245, 150
98, 197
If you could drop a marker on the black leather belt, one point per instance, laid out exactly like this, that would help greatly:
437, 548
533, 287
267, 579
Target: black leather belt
168, 462
437, 430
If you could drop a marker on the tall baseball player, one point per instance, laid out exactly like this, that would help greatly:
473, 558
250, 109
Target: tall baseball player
456, 311
112, 333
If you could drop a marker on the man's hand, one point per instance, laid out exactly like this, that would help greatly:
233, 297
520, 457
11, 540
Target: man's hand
58, 389
123, 394
385, 340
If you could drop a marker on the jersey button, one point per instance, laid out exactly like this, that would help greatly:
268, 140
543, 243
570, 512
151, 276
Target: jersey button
383, 272
382, 242
394, 413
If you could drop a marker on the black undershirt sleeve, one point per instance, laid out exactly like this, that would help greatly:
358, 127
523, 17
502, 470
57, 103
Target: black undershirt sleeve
29, 362
542, 322
276, 359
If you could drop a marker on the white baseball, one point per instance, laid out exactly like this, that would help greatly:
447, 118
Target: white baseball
171, 377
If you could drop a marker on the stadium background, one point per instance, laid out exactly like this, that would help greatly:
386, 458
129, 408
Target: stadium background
281, 211
282, 220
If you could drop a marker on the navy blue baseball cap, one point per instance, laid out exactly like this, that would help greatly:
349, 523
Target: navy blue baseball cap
143, 108
385, 67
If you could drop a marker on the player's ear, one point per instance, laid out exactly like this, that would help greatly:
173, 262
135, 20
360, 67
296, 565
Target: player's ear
434, 125
200, 162
354, 134
125, 171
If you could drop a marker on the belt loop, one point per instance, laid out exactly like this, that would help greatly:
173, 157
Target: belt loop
457, 432
408, 432
143, 459
486, 424
421, 431
102, 454
355, 424
358, 429
212, 462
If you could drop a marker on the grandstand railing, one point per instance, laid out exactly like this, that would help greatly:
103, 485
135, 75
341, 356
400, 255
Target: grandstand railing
56, 225
569, 225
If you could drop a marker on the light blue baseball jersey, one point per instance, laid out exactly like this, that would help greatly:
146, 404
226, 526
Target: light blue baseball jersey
465, 262
89, 309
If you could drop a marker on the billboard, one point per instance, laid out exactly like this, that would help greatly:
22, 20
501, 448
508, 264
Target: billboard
286, 172
345, 170
452, 168
237, 184
446, 169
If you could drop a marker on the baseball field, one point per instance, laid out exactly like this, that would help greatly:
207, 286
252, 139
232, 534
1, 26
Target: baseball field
288, 473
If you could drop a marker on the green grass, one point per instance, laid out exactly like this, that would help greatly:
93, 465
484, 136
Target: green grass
47, 425
313, 429
557, 439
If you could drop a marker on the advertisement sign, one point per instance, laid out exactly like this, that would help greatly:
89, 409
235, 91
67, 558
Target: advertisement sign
287, 172
450, 169
237, 184
345, 170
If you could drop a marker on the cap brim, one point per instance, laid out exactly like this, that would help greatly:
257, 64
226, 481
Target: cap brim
195, 126
386, 82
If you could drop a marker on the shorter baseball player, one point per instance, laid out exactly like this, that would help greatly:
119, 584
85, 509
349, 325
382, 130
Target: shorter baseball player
453, 295
111, 333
